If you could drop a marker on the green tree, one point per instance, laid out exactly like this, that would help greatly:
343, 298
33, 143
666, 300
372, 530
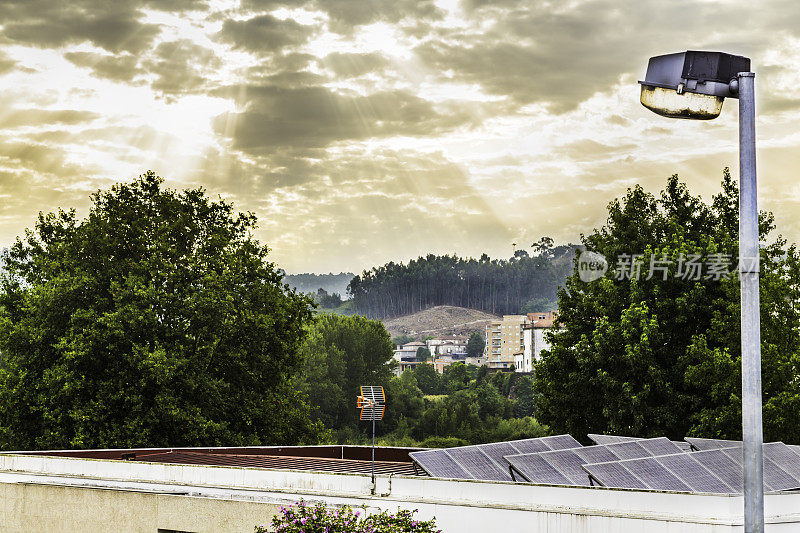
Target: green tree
155, 321
475, 345
423, 354
343, 353
427, 378
659, 355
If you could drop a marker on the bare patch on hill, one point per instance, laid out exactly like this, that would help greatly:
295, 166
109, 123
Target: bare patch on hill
440, 320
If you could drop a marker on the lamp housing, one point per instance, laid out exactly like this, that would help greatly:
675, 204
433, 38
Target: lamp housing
691, 84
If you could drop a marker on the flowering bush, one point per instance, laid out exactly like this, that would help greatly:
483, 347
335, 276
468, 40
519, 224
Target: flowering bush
302, 518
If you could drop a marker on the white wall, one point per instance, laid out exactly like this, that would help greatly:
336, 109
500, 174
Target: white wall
459, 506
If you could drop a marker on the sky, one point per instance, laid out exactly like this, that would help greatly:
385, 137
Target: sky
367, 131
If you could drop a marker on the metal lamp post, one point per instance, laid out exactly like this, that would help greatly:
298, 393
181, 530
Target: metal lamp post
693, 85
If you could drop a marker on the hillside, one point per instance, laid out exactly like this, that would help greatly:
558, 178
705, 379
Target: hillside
440, 320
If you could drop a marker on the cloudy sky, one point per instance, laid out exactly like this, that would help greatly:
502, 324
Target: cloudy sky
362, 131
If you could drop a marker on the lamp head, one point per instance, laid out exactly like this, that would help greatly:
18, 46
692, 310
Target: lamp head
691, 84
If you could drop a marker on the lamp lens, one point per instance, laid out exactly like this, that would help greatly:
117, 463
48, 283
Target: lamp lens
668, 103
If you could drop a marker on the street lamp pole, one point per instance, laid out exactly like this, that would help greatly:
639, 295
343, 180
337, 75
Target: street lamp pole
751, 321
693, 84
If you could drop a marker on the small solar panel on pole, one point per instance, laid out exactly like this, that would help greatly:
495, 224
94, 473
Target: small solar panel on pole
372, 403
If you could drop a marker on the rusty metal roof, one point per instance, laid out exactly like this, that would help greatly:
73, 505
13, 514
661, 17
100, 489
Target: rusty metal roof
331, 458
281, 462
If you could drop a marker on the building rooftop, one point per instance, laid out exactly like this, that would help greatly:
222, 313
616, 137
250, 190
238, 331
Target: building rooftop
343, 459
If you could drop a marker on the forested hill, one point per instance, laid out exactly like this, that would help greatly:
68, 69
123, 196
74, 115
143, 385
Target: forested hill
523, 283
331, 283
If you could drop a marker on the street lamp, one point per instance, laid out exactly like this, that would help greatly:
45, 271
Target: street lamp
693, 85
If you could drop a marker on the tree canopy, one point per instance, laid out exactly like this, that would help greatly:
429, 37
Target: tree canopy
492, 285
155, 321
659, 354
342, 353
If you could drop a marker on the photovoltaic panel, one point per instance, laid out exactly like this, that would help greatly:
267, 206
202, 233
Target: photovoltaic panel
438, 463
596, 454
722, 466
561, 442
784, 457
694, 474
629, 450
655, 475
569, 462
775, 478
496, 451
614, 475
613, 439
536, 469
530, 446
484, 461
659, 446
609, 439
711, 444
472, 459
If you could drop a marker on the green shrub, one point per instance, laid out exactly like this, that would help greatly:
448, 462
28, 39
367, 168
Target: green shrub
302, 518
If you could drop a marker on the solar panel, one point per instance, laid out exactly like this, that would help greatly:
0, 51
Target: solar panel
609, 439
784, 457
777, 460
695, 474
722, 466
615, 475
561, 442
659, 446
529, 446
536, 469
485, 461
596, 454
474, 461
711, 444
655, 475
567, 463
438, 463
613, 439
629, 450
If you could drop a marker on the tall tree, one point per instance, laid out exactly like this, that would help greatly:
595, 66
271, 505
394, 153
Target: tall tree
155, 321
475, 345
658, 353
342, 353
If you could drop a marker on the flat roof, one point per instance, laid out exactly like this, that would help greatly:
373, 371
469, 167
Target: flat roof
326, 458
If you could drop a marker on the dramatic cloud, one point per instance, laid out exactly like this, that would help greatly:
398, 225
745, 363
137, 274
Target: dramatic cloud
362, 131
264, 33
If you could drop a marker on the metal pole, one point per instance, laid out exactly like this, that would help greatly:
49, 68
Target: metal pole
373, 449
751, 325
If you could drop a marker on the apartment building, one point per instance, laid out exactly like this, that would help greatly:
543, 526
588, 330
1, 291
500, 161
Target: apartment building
534, 340
504, 340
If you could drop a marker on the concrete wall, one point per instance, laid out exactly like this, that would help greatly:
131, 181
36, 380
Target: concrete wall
68, 494
30, 507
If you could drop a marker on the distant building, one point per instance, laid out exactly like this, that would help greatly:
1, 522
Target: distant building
446, 345
406, 356
534, 340
443, 361
504, 340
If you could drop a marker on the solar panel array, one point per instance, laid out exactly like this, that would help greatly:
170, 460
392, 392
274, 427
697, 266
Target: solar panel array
485, 461
612, 439
616, 461
565, 466
711, 470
